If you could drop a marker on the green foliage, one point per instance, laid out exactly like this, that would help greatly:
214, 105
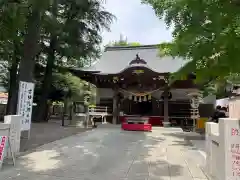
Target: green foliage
69, 83
205, 32
233, 78
73, 87
76, 27
76, 24
12, 27
123, 42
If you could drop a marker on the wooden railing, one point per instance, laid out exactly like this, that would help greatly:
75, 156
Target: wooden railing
100, 109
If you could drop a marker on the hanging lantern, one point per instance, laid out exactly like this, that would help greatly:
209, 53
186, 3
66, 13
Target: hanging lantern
145, 98
140, 99
149, 97
130, 97
135, 98
115, 79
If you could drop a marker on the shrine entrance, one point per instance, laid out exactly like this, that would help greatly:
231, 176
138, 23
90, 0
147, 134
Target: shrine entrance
135, 81
143, 108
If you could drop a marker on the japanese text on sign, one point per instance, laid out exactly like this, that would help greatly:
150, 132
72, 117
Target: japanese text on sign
25, 103
235, 153
235, 132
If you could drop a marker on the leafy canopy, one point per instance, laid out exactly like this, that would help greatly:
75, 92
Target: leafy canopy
123, 42
77, 25
206, 32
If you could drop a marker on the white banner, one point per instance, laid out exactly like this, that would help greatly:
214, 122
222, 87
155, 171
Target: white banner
25, 102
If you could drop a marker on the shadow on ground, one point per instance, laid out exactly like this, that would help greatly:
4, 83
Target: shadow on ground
104, 153
191, 139
43, 133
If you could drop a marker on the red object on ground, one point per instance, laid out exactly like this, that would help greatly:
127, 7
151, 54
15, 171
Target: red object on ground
136, 127
153, 120
122, 119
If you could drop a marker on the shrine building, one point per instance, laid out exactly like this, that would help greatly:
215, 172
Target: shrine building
134, 82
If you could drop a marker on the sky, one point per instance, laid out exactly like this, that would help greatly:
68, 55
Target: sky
135, 21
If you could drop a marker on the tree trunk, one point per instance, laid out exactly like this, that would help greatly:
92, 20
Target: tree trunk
47, 81
115, 107
26, 68
13, 86
42, 106
30, 49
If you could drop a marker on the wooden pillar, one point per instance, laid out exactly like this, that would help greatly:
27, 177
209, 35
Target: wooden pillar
115, 107
166, 121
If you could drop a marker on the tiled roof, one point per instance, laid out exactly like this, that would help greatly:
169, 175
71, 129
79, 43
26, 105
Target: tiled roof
116, 59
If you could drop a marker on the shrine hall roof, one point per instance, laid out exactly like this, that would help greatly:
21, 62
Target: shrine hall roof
116, 59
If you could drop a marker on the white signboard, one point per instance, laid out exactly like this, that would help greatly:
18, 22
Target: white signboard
233, 154
25, 102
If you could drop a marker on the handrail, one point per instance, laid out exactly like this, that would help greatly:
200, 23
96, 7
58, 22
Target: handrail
99, 109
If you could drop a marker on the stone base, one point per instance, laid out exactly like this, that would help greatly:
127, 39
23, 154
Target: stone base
166, 124
78, 121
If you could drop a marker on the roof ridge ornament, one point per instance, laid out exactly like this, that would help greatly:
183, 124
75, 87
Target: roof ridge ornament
137, 60
137, 57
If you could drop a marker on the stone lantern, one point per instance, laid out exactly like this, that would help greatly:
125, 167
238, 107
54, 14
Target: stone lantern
195, 100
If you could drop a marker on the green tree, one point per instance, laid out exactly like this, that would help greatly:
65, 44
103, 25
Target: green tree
123, 42
19, 38
13, 18
74, 29
77, 88
51, 34
206, 33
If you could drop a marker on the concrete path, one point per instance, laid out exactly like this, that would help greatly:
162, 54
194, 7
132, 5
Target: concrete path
112, 154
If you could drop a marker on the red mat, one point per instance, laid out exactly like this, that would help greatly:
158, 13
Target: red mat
136, 127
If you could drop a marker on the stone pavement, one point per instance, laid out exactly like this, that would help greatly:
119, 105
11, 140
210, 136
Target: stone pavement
111, 154
46, 132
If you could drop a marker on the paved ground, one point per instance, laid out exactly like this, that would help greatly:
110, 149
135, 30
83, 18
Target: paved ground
198, 140
112, 154
200, 144
42, 133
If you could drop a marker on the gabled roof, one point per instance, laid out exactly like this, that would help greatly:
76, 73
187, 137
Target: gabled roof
116, 59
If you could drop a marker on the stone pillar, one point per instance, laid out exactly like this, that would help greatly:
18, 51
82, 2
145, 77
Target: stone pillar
222, 149
15, 132
211, 129
4, 129
223, 145
234, 105
166, 122
115, 107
